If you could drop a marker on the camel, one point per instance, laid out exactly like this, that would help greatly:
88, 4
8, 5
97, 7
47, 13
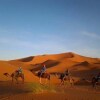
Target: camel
15, 75
95, 81
44, 75
64, 78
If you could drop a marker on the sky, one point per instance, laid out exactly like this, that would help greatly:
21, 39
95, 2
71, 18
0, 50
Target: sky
36, 27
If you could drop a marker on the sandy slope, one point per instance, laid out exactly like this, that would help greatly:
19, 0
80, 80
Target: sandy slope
5, 67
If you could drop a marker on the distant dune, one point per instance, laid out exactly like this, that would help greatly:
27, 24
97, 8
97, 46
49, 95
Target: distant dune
79, 66
58, 57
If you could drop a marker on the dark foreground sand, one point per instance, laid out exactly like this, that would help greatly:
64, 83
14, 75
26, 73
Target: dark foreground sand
17, 92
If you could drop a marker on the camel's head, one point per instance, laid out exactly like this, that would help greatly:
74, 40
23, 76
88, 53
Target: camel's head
6, 74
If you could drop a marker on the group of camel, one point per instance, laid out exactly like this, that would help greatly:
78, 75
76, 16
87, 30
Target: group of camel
46, 76
15, 76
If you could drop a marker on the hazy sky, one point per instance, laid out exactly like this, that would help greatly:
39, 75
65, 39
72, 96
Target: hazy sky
34, 27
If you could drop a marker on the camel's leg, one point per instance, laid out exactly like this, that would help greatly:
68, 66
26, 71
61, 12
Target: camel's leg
16, 80
12, 79
96, 85
62, 82
40, 80
49, 82
22, 79
71, 82
46, 81
93, 83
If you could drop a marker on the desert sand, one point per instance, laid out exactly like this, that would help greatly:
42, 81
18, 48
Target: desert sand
81, 68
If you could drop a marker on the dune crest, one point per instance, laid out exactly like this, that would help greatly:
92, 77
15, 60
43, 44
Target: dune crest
77, 64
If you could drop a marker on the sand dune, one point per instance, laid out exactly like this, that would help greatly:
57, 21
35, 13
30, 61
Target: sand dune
80, 68
5, 67
58, 62
54, 62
